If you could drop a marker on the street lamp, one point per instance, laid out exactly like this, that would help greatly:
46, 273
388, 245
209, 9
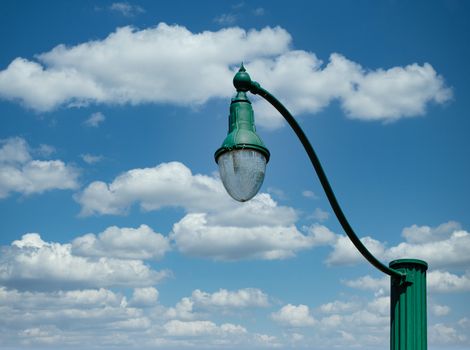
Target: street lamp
242, 160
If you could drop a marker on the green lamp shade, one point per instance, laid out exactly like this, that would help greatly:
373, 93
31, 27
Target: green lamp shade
243, 156
242, 172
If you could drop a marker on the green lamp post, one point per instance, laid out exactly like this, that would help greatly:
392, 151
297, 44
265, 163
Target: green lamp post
242, 160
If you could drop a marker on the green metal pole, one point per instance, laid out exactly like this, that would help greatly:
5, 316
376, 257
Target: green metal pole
408, 325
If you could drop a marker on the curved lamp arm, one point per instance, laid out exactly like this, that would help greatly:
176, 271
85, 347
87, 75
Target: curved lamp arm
256, 89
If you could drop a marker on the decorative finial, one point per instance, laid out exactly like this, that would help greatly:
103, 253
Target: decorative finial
242, 80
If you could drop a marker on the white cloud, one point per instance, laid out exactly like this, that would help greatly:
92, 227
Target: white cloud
155, 65
166, 185
139, 66
216, 226
183, 310
85, 298
319, 215
88, 317
357, 323
394, 93
44, 89
309, 194
126, 9
123, 243
344, 251
200, 328
143, 297
173, 185
95, 120
20, 173
90, 158
320, 234
267, 340
450, 250
67, 318
380, 305
369, 283
443, 246
194, 236
438, 281
294, 316
31, 263
385, 95
14, 150
440, 310
338, 307
242, 298
200, 303
445, 282
443, 334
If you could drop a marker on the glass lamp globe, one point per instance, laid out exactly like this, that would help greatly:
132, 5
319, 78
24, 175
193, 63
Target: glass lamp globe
242, 172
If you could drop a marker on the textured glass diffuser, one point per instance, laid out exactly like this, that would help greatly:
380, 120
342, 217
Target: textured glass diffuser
242, 172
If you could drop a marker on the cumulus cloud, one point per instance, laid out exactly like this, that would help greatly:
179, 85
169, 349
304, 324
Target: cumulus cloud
319, 215
438, 281
143, 297
183, 310
385, 95
368, 321
338, 306
155, 65
173, 185
344, 251
369, 283
194, 236
294, 316
444, 246
123, 243
445, 282
95, 120
31, 263
215, 226
442, 334
102, 316
84, 298
242, 298
20, 173
440, 310
68, 318
201, 302
166, 185
199, 328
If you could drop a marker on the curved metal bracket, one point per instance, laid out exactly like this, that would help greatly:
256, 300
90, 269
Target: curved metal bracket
256, 89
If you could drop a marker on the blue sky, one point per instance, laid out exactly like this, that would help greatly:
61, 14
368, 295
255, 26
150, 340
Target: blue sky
116, 231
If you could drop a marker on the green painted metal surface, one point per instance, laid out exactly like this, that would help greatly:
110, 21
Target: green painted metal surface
408, 320
241, 130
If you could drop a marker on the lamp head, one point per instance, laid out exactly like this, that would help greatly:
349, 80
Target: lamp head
243, 156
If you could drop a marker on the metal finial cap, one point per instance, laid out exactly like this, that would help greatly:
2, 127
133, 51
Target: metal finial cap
242, 80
